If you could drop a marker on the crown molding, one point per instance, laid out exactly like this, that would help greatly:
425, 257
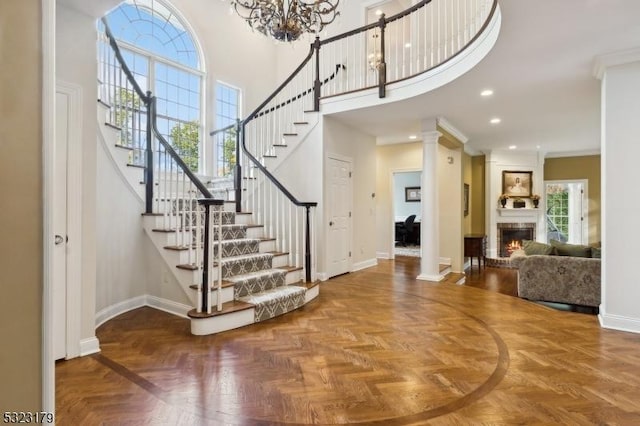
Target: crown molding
453, 130
622, 57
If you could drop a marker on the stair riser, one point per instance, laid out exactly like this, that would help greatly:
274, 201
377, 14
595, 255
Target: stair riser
244, 266
259, 284
280, 261
172, 220
293, 277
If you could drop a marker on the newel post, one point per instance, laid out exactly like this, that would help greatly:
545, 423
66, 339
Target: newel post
382, 67
148, 172
316, 83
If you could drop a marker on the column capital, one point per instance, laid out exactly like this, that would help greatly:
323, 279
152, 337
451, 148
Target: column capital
430, 137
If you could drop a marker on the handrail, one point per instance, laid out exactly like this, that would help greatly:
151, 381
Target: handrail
224, 129
123, 64
303, 94
176, 157
279, 89
150, 102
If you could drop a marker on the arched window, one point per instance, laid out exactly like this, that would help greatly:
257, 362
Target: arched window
163, 55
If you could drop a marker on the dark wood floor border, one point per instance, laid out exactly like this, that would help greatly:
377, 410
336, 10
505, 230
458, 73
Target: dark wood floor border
499, 372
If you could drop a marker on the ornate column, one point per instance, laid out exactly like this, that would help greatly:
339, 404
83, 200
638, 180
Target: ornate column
429, 230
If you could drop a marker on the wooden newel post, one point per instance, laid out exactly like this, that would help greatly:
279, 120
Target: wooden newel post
316, 83
148, 171
382, 68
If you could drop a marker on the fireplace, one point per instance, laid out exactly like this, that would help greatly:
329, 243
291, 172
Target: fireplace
510, 236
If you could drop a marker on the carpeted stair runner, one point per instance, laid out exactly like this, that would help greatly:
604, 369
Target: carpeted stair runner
252, 273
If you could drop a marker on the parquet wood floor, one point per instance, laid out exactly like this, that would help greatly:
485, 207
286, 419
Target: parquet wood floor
377, 348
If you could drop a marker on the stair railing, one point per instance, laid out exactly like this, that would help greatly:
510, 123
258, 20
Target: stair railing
172, 191
415, 41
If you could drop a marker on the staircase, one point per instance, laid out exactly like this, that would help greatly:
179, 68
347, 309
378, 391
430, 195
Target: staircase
258, 282
249, 248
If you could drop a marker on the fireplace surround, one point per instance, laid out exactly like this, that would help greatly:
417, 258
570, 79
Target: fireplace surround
511, 235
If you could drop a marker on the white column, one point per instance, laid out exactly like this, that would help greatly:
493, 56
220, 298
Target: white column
429, 230
620, 74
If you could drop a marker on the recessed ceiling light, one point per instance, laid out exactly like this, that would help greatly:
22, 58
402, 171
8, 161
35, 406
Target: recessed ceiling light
407, 45
378, 12
537, 146
413, 137
512, 147
495, 120
487, 92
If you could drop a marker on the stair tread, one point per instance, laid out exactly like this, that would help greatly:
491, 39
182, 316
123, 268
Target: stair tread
272, 294
257, 274
128, 148
300, 123
227, 308
233, 225
214, 286
113, 126
289, 134
104, 104
277, 253
290, 268
280, 145
138, 166
242, 257
188, 267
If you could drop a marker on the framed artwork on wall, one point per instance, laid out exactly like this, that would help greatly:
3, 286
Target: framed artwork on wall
516, 183
412, 194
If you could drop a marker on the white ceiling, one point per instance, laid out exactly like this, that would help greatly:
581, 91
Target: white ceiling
541, 71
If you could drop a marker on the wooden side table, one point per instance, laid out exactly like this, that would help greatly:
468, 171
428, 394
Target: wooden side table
475, 245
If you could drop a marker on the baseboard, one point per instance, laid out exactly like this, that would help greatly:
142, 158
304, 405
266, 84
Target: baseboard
383, 255
89, 346
169, 306
322, 276
435, 278
119, 308
444, 261
462, 280
466, 265
619, 322
364, 264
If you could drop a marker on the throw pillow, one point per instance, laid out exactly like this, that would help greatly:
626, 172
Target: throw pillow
596, 252
533, 247
575, 250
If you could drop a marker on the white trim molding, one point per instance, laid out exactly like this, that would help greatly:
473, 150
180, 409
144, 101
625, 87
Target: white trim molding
169, 306
48, 38
434, 278
612, 59
619, 322
89, 346
453, 130
364, 265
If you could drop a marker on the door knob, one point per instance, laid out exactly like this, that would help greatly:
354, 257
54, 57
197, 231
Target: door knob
59, 239
330, 223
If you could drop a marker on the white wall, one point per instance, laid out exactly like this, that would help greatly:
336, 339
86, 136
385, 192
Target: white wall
76, 63
620, 153
401, 208
345, 141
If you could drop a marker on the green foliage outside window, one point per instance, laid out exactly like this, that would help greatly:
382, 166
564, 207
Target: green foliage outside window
228, 152
558, 209
185, 139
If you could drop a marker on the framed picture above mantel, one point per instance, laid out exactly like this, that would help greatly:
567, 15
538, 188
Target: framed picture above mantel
517, 183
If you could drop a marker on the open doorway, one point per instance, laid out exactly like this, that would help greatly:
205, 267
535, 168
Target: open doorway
566, 211
407, 213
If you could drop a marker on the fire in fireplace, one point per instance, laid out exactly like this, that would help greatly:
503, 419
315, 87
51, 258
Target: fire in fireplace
510, 237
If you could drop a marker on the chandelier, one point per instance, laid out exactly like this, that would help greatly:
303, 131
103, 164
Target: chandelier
287, 20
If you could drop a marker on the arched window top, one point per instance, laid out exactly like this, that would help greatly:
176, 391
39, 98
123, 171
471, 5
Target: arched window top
154, 27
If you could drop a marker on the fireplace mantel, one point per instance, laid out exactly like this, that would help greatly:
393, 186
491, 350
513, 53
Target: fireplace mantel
523, 212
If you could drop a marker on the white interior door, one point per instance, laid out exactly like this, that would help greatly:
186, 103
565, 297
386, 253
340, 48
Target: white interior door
60, 227
339, 208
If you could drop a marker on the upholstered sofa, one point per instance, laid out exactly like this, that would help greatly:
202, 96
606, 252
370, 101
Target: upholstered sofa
560, 279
